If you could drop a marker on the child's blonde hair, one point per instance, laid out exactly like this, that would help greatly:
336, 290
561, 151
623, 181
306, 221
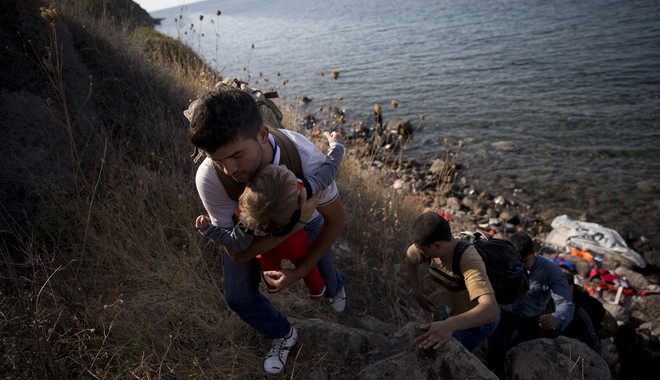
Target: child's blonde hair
270, 199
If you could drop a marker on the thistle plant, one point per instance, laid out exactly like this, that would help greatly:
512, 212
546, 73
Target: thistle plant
448, 173
52, 65
330, 113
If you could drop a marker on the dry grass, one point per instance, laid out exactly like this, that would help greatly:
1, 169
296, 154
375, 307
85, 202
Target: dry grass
110, 280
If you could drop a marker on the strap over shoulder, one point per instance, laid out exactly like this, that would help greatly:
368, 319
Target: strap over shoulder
454, 281
461, 246
289, 155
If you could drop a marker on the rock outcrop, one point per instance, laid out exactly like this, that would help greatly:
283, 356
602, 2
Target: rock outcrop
395, 356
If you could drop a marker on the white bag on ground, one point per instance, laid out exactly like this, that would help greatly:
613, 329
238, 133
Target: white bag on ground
591, 237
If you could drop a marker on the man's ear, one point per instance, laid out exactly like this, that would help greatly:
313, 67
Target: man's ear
262, 134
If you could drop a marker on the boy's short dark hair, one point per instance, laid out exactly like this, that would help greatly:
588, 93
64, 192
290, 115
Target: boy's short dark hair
221, 116
429, 228
523, 243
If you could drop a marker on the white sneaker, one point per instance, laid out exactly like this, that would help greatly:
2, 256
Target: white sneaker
276, 359
339, 302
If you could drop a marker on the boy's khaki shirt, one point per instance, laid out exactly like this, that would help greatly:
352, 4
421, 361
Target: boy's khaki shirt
474, 272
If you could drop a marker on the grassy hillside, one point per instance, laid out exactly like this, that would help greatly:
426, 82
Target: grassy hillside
103, 274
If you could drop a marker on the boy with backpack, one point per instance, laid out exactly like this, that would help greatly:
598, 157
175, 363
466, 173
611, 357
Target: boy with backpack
473, 309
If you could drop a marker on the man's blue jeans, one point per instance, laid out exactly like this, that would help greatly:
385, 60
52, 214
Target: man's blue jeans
243, 296
472, 338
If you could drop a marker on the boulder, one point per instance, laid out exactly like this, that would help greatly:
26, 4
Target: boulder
635, 279
560, 359
619, 312
392, 355
438, 167
454, 204
402, 359
338, 341
471, 202
401, 126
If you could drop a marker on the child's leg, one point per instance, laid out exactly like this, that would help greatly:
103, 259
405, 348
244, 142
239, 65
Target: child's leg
265, 264
313, 281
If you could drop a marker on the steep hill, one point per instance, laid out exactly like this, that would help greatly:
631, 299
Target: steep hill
103, 274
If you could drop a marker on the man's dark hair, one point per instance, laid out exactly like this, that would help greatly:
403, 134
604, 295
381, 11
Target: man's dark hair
429, 228
223, 115
523, 243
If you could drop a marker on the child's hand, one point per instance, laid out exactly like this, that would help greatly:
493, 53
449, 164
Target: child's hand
307, 206
202, 222
334, 136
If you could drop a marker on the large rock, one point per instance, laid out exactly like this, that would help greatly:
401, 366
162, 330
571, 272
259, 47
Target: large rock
451, 362
635, 279
560, 359
400, 126
388, 356
338, 341
402, 359
652, 257
619, 312
646, 309
438, 167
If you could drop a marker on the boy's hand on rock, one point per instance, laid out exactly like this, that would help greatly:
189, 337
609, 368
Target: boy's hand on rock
437, 334
547, 322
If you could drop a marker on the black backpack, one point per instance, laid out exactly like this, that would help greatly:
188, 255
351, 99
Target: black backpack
507, 274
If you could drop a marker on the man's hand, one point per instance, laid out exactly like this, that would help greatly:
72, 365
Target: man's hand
282, 279
437, 334
547, 322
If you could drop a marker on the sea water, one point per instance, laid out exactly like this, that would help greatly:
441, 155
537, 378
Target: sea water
558, 99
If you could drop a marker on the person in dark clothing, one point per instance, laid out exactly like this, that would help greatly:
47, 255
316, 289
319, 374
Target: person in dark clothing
587, 318
639, 360
530, 317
